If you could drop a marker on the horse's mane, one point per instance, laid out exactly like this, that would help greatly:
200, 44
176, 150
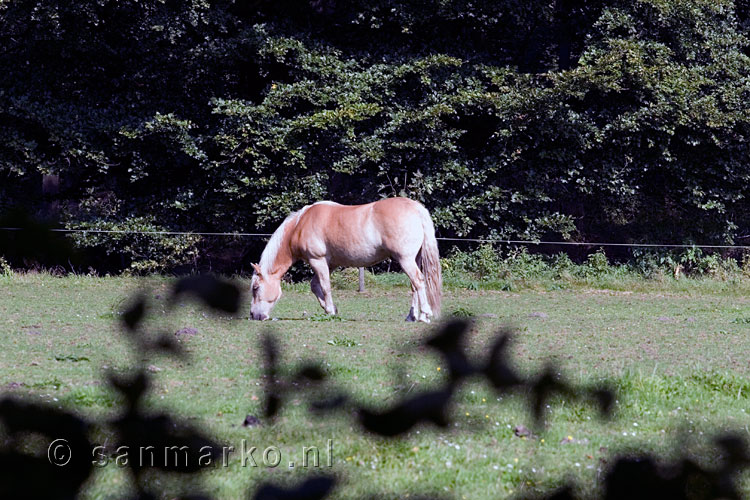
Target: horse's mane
268, 256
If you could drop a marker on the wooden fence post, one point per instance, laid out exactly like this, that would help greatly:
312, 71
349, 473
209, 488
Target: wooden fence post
361, 279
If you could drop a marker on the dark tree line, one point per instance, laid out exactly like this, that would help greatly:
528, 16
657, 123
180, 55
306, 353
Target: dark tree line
621, 121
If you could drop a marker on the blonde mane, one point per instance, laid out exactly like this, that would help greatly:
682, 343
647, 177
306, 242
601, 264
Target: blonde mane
268, 256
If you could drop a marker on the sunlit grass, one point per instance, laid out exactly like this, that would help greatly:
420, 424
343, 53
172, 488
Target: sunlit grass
677, 354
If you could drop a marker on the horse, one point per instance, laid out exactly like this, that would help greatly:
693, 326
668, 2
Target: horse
328, 235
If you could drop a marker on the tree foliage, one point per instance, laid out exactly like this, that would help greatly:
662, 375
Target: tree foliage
616, 120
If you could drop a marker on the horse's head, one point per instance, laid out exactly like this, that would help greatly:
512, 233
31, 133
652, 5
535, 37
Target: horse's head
266, 291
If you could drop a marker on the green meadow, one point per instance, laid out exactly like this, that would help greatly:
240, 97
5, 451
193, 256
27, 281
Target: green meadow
676, 351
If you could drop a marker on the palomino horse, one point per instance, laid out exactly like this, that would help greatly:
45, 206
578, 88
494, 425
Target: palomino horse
328, 235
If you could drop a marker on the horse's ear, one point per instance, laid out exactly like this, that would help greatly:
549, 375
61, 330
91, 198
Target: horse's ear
257, 268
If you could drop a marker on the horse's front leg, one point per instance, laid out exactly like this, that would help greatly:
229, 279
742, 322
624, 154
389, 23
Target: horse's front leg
322, 276
317, 290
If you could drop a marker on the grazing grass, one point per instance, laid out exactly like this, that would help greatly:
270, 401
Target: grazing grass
675, 350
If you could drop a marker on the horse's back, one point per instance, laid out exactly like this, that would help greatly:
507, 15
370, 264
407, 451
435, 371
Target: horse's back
398, 218
357, 235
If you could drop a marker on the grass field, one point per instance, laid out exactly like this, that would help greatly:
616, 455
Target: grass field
677, 353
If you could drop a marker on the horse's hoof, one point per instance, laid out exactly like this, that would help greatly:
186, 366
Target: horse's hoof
411, 319
424, 318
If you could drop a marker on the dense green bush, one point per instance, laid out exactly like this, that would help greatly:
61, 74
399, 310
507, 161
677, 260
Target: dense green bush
502, 268
618, 121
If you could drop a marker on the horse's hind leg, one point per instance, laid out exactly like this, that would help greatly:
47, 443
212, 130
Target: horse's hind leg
322, 275
414, 310
419, 294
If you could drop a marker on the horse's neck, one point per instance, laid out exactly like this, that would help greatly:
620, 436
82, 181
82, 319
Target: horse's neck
283, 259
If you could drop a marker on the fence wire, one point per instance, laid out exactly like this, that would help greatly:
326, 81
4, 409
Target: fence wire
470, 240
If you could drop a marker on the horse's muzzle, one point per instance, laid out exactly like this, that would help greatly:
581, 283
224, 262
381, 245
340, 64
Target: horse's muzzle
259, 316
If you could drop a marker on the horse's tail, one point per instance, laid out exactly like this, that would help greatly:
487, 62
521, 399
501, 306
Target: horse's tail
428, 260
